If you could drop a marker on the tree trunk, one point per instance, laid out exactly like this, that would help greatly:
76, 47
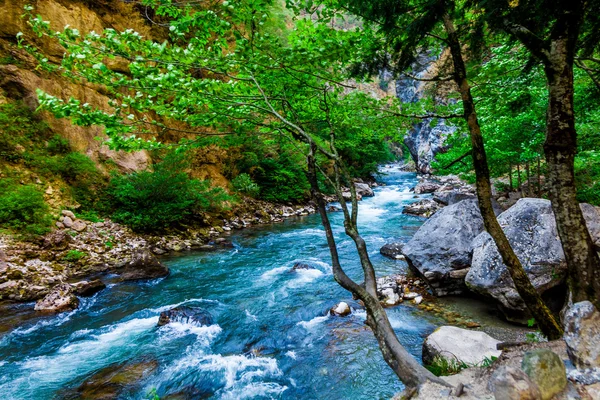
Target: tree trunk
560, 148
510, 183
539, 179
529, 191
526, 290
519, 187
410, 372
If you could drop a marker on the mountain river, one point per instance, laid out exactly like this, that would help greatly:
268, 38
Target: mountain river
272, 336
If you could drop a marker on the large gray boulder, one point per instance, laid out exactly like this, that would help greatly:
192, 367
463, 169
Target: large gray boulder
531, 230
441, 249
458, 345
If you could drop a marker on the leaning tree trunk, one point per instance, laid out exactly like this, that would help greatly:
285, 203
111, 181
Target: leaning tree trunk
410, 372
543, 316
560, 148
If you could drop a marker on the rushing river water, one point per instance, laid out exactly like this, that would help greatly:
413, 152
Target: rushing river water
272, 337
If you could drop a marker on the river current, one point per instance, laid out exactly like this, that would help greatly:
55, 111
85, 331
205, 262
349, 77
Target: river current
272, 336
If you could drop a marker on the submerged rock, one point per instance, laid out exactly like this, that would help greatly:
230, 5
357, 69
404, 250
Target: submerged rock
297, 266
185, 314
546, 370
441, 249
582, 335
459, 345
142, 265
114, 381
60, 298
530, 228
88, 288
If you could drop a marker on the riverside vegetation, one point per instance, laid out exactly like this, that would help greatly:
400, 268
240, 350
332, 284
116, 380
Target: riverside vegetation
276, 103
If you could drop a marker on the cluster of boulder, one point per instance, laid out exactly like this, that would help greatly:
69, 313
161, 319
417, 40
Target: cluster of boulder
562, 369
443, 192
452, 252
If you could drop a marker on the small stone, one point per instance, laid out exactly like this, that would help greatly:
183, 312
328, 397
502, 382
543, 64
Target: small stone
69, 214
546, 370
342, 309
418, 299
472, 324
410, 295
509, 383
390, 297
68, 222
60, 225
79, 225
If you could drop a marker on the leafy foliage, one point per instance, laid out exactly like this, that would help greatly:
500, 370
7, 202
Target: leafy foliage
156, 200
243, 183
23, 209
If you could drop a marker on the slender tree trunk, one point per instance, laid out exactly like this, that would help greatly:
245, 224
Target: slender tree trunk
519, 187
410, 372
526, 290
529, 190
510, 182
560, 148
539, 179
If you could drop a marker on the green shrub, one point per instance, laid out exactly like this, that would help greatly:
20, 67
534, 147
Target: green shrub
90, 215
76, 167
58, 145
23, 209
444, 367
244, 184
74, 255
150, 201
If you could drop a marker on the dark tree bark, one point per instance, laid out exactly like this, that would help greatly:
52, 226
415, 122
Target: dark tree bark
539, 179
519, 185
529, 190
557, 54
543, 316
510, 182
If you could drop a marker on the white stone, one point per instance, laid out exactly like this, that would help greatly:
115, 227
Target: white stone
410, 295
462, 345
418, 299
342, 309
391, 297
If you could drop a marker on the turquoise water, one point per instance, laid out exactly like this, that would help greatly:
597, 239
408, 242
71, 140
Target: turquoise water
272, 337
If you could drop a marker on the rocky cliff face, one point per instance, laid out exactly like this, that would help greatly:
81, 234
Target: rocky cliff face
19, 78
426, 138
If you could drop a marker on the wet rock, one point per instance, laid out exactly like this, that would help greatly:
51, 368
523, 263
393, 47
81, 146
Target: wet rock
510, 383
422, 208
582, 335
390, 297
114, 381
418, 300
442, 247
142, 265
459, 345
185, 314
530, 228
88, 288
392, 250
546, 370
342, 309
60, 298
425, 186
363, 190
300, 265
